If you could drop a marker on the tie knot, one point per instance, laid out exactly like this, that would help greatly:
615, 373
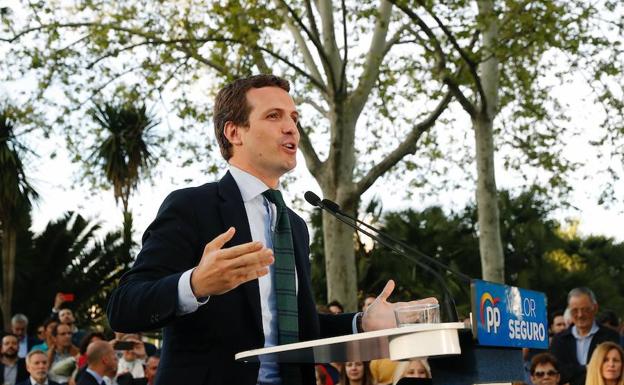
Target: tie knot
274, 196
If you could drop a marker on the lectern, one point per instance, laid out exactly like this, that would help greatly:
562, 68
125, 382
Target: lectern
505, 319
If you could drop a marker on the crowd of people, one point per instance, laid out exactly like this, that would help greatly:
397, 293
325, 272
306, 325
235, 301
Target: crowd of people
61, 353
585, 349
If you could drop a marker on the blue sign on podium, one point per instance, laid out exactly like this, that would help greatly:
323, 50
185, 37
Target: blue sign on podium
509, 316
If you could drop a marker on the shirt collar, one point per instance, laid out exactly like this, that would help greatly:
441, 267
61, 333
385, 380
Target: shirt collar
33, 382
592, 331
250, 186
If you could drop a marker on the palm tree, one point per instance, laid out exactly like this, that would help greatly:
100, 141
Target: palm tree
16, 196
69, 256
124, 152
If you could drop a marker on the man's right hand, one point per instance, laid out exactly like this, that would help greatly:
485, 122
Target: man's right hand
221, 270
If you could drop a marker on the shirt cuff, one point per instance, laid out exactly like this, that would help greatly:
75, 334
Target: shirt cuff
187, 303
354, 325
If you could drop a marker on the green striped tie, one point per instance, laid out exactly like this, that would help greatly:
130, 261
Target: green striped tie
284, 267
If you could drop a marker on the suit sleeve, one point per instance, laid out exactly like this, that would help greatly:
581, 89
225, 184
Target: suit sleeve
147, 298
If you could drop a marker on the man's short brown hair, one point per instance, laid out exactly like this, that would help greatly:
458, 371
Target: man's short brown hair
231, 105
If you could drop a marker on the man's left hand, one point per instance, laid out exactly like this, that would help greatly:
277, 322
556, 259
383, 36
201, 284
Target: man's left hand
380, 314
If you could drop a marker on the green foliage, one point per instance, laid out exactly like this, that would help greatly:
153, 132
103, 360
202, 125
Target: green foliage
122, 151
68, 256
530, 237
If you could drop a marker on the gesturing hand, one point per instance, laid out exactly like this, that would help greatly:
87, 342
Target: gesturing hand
221, 270
380, 314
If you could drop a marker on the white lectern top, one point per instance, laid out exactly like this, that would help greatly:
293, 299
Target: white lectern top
420, 340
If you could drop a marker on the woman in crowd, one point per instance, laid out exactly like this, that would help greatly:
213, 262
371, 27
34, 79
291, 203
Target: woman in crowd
356, 373
605, 366
412, 369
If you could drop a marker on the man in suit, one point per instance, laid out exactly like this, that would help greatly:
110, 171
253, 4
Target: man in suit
19, 327
12, 368
205, 270
101, 362
37, 366
574, 346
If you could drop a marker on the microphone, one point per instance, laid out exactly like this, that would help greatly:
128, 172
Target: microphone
333, 206
334, 209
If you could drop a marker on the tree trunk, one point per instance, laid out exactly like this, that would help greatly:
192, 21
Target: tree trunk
340, 261
490, 244
9, 243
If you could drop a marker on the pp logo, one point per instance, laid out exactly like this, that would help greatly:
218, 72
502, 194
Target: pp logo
490, 314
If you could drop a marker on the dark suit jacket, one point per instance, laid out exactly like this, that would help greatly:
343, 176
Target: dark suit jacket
199, 348
564, 348
22, 374
86, 379
27, 382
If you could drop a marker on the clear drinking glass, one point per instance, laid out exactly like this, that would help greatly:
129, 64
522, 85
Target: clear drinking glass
417, 314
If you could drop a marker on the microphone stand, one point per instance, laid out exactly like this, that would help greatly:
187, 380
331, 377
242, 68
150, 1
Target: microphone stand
449, 302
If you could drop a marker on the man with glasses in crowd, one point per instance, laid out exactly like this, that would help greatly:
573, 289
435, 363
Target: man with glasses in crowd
573, 347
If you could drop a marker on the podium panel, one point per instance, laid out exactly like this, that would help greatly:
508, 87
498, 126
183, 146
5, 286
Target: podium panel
420, 340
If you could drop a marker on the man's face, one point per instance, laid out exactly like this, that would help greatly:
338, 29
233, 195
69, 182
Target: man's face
19, 329
63, 336
558, 324
268, 147
150, 368
583, 311
37, 366
111, 361
545, 374
9, 346
66, 317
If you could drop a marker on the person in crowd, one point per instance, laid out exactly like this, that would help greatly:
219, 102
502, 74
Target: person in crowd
37, 367
335, 307
567, 317
609, 319
132, 360
605, 366
40, 334
416, 368
356, 373
62, 354
544, 370
65, 315
151, 368
322, 378
19, 327
221, 259
574, 346
101, 363
368, 300
12, 367
49, 325
84, 344
557, 323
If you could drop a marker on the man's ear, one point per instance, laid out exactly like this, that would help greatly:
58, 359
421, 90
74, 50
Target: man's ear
232, 133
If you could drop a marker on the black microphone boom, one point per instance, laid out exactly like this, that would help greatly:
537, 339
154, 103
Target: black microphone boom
334, 209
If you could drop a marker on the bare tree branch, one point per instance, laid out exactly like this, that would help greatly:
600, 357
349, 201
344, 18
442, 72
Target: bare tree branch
407, 146
307, 149
373, 60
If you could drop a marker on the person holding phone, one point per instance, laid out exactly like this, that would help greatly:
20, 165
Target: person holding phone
133, 355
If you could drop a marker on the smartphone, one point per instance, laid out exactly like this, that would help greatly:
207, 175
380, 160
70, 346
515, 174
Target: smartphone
68, 297
123, 345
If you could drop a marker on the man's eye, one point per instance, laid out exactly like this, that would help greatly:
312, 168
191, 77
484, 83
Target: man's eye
273, 115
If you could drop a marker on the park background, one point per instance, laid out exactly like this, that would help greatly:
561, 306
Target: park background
487, 134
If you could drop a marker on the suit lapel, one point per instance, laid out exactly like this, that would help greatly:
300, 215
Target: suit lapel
233, 214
